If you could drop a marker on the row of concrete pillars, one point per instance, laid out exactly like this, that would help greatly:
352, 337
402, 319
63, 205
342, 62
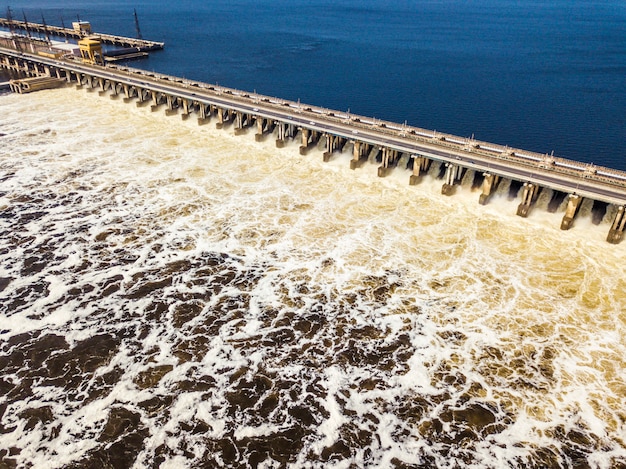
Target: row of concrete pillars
387, 157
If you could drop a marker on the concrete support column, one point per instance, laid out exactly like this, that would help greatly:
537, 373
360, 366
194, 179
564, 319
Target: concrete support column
420, 165
490, 183
127, 98
356, 151
260, 129
171, 109
142, 97
616, 233
330, 147
155, 101
357, 154
388, 157
452, 172
114, 90
304, 146
103, 87
573, 204
203, 118
185, 115
306, 133
220, 118
529, 195
281, 135
91, 81
238, 122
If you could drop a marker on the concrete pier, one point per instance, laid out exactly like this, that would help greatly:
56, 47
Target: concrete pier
421, 164
309, 137
359, 154
573, 204
172, 105
127, 93
330, 147
281, 134
220, 118
388, 160
490, 184
452, 173
204, 111
529, 195
304, 145
242, 122
616, 233
333, 143
260, 129
156, 99
185, 107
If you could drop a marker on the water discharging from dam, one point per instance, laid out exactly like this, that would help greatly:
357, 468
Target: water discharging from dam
176, 294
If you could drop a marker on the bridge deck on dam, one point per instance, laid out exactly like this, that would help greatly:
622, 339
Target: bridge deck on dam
389, 143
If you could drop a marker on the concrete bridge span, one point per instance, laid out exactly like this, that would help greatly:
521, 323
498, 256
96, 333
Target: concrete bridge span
389, 143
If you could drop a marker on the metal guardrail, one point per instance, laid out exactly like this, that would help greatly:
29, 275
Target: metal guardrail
525, 158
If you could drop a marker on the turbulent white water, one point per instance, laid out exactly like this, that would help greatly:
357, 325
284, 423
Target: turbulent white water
176, 296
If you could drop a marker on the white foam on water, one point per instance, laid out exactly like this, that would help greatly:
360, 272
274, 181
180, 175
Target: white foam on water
237, 295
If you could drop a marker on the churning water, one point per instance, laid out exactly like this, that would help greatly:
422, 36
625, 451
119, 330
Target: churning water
175, 296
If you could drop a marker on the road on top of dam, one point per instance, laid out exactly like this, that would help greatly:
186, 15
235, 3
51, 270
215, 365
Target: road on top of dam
349, 128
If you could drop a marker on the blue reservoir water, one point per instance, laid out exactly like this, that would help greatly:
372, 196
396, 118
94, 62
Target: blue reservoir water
542, 76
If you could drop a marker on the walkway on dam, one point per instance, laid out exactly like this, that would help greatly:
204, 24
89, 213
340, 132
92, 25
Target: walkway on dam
570, 176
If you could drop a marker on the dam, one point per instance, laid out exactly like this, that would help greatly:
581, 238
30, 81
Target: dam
390, 144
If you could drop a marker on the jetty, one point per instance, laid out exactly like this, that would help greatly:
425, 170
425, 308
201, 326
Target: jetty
79, 30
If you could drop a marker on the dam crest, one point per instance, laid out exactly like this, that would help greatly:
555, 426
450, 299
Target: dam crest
388, 144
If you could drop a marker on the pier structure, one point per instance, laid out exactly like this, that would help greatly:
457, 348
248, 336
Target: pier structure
78, 33
452, 158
